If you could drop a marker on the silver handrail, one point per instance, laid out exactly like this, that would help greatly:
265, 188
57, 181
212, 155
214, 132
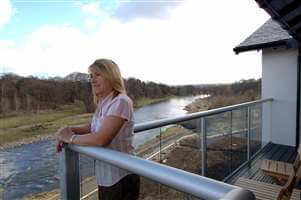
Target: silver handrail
163, 122
183, 181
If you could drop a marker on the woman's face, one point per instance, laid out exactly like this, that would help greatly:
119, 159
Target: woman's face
100, 85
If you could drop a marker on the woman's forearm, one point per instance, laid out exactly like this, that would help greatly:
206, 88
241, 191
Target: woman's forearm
108, 131
89, 139
81, 129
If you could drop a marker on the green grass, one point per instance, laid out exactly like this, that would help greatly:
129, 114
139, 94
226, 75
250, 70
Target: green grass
16, 127
31, 126
23, 119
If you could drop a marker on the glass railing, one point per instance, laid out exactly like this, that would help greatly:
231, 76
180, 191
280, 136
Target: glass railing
213, 143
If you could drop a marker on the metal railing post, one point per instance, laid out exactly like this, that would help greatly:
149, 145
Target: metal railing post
160, 147
204, 146
231, 129
69, 169
249, 134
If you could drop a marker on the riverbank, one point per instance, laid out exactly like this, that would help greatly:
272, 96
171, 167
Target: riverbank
28, 128
17, 129
198, 105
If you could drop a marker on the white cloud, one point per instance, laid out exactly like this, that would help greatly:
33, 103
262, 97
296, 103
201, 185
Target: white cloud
193, 46
6, 48
91, 24
91, 8
6, 12
50, 50
130, 10
4, 44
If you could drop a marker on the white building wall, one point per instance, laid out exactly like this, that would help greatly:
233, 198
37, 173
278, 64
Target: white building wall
279, 81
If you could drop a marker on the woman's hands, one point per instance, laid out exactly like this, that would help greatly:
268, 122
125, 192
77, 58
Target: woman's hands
109, 129
63, 135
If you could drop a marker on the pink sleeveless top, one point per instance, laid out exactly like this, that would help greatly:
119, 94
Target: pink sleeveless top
120, 106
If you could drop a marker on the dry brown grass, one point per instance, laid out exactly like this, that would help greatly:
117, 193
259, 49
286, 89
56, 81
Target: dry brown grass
52, 195
222, 101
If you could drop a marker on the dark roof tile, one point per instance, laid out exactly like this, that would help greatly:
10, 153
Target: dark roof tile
269, 32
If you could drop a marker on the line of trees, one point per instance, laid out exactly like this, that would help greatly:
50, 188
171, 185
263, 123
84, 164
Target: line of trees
236, 88
229, 94
33, 94
137, 89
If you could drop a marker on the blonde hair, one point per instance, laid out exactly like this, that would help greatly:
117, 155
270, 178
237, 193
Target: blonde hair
110, 71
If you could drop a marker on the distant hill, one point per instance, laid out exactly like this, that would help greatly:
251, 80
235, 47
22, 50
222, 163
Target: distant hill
77, 76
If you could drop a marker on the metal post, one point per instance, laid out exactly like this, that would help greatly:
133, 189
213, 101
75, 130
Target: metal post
69, 169
249, 134
298, 100
204, 147
231, 126
160, 160
160, 148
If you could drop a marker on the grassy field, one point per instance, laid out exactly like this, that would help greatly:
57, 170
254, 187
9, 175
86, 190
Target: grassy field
25, 127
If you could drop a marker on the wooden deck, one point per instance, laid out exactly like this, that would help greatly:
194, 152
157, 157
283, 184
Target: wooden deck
271, 151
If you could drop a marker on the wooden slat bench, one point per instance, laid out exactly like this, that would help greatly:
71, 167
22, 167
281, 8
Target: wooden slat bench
262, 191
296, 194
277, 169
280, 170
267, 191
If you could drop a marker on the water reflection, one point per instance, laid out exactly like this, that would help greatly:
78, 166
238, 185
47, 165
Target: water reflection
28, 169
167, 109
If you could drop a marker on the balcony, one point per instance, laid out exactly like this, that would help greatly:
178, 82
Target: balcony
197, 156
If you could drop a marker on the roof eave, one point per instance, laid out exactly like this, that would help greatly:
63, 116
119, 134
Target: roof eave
288, 43
279, 10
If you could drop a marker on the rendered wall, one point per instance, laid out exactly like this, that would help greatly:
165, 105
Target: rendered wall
279, 81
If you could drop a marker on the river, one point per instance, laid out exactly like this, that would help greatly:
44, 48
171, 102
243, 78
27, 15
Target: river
33, 168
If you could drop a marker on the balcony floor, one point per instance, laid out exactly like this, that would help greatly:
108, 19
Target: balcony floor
271, 151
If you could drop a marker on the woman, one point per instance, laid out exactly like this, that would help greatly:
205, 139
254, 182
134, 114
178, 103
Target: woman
111, 127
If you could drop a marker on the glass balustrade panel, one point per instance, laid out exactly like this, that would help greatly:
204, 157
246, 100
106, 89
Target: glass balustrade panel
255, 128
239, 139
219, 156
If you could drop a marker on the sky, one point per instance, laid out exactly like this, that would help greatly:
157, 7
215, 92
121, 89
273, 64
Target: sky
174, 42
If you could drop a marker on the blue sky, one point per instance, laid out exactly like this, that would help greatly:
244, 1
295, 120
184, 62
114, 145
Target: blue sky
30, 15
167, 41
